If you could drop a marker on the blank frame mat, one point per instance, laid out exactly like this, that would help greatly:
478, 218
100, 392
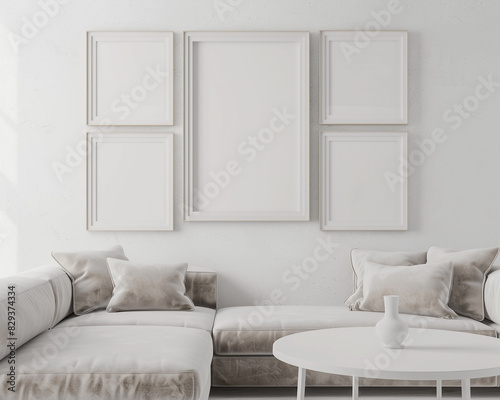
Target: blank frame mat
363, 84
131, 177
121, 67
362, 188
130, 181
356, 87
130, 78
228, 110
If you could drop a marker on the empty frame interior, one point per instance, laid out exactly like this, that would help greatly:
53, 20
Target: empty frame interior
130, 78
363, 79
130, 181
246, 126
363, 185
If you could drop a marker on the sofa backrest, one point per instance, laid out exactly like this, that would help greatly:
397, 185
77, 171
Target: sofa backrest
201, 286
27, 308
61, 287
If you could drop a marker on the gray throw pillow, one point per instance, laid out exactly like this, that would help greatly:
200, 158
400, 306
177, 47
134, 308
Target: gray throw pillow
470, 270
92, 287
422, 289
148, 287
359, 258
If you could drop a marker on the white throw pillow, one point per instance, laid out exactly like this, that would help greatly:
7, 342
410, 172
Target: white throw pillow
92, 287
422, 289
148, 287
470, 270
359, 258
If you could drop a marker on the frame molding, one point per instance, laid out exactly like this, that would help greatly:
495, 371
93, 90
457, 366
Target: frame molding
163, 222
380, 189
347, 39
155, 81
192, 67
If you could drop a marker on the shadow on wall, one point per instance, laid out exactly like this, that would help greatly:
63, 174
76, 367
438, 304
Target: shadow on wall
8, 156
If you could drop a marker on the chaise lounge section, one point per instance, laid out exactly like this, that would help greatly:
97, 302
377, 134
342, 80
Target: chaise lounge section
129, 355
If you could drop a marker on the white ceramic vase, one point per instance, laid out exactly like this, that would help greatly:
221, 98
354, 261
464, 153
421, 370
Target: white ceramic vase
391, 329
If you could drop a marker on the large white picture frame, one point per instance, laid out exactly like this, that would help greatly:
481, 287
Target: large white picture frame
363, 81
130, 181
130, 78
363, 184
246, 126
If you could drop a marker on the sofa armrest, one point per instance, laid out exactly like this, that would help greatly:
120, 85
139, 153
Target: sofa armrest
27, 308
492, 296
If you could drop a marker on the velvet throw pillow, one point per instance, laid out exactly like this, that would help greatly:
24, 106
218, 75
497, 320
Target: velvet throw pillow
359, 258
148, 287
92, 287
470, 270
422, 289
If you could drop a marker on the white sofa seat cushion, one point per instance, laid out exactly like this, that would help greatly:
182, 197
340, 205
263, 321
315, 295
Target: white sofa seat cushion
199, 318
114, 363
253, 330
33, 308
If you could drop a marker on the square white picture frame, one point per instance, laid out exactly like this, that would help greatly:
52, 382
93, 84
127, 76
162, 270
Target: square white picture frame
238, 86
130, 181
130, 78
363, 80
363, 184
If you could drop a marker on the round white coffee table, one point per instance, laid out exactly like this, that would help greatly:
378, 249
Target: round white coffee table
429, 354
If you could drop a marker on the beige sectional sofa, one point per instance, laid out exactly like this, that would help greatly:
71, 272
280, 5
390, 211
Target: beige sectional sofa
152, 355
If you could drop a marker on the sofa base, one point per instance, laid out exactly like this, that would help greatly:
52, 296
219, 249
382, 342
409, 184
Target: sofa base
112, 363
267, 371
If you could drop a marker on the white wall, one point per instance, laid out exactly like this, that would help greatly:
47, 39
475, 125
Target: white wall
453, 196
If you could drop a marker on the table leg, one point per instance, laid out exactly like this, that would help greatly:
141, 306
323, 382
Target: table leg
355, 388
301, 384
439, 389
466, 389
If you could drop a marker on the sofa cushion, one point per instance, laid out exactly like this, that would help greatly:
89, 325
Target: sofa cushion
32, 310
148, 287
113, 363
199, 318
359, 258
61, 286
252, 330
92, 286
422, 289
470, 270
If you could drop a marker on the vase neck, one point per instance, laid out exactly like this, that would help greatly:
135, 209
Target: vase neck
391, 306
